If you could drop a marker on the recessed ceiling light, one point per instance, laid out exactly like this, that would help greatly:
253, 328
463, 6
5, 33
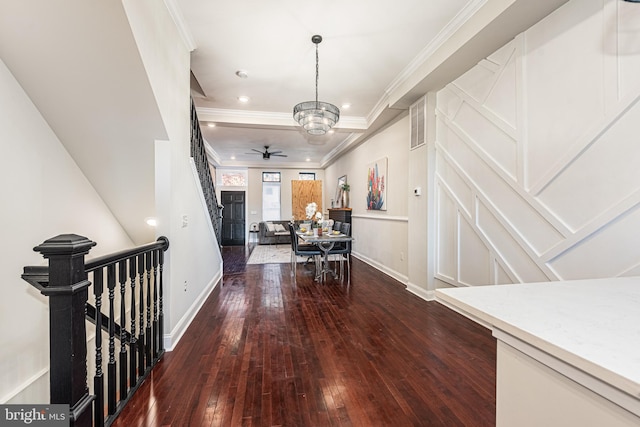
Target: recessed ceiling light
308, 159
211, 125
346, 106
331, 131
233, 157
243, 98
242, 74
152, 222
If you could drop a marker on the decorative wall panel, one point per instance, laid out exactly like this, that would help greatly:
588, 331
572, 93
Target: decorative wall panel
447, 237
626, 47
474, 256
537, 154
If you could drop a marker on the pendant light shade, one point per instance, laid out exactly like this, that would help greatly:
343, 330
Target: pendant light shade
316, 117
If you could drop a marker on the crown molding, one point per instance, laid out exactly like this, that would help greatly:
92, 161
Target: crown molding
345, 145
445, 34
181, 25
268, 164
266, 118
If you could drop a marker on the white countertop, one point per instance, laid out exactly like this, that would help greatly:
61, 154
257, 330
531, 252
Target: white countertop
592, 325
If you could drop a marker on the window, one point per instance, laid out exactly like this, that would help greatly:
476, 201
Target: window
270, 196
307, 176
233, 178
270, 176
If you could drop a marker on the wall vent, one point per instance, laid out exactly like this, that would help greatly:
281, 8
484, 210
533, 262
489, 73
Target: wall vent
418, 122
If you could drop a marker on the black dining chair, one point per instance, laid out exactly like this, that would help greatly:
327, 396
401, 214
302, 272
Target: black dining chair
301, 249
337, 225
345, 228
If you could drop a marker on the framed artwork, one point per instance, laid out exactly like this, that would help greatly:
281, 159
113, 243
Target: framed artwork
338, 200
377, 185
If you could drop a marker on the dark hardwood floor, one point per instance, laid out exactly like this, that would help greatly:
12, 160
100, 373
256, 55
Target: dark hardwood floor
268, 351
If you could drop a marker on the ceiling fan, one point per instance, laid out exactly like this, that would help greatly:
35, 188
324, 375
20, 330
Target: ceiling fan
266, 154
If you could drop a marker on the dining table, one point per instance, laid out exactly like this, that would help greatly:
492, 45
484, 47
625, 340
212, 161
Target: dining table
325, 242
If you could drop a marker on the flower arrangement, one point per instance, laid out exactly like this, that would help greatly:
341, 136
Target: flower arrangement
314, 215
310, 210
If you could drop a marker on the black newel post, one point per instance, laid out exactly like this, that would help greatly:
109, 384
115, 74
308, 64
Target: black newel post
68, 291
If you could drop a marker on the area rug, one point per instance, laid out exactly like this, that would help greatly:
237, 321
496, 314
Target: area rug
275, 254
271, 254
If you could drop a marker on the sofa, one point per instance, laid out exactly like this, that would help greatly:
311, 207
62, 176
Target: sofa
269, 233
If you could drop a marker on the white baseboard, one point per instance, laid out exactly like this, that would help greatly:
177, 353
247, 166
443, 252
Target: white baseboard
34, 389
171, 340
386, 270
411, 287
421, 292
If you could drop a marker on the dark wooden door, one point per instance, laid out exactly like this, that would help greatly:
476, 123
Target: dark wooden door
233, 222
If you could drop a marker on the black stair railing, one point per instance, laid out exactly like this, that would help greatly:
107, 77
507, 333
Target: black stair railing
133, 296
199, 155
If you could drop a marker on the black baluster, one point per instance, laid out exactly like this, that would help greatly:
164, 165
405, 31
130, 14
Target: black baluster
68, 290
141, 315
122, 276
161, 302
98, 380
148, 336
155, 303
133, 343
111, 365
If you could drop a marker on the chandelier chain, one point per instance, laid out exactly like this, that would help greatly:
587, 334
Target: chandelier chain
317, 71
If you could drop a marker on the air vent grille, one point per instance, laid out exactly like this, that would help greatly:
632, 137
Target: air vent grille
418, 121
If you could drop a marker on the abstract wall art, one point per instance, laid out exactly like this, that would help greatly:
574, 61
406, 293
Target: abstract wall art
377, 185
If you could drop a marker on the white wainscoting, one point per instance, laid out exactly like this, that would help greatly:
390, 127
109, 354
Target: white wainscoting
537, 154
382, 246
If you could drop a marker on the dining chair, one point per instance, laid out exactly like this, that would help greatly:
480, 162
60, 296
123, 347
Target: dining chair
345, 228
302, 249
343, 249
337, 225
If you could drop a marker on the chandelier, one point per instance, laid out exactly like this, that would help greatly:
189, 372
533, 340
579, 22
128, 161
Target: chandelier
316, 117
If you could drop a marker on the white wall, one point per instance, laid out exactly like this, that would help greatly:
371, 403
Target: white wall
194, 263
44, 194
537, 154
381, 237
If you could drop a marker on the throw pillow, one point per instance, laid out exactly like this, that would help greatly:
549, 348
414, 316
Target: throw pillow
270, 227
279, 228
